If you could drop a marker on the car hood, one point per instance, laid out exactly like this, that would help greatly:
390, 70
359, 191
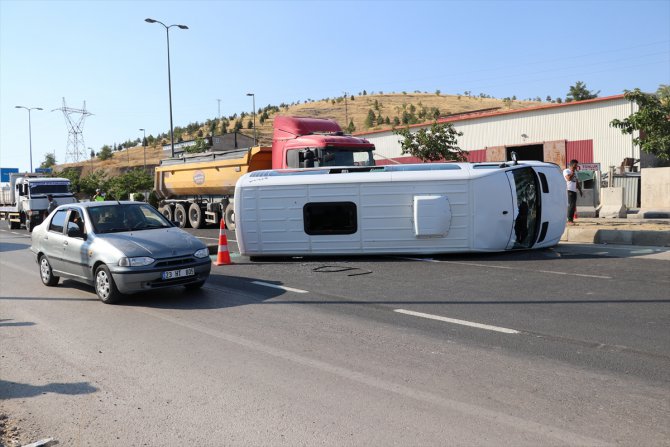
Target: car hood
159, 243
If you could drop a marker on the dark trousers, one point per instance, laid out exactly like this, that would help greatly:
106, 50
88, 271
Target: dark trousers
572, 205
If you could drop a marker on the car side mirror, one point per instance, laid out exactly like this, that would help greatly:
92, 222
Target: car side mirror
75, 232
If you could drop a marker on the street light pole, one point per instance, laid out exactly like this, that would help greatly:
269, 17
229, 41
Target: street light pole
167, 33
253, 98
144, 147
30, 132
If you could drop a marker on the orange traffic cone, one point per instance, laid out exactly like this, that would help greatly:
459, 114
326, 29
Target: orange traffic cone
223, 255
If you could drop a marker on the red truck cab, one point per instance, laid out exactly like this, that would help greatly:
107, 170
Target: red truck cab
316, 142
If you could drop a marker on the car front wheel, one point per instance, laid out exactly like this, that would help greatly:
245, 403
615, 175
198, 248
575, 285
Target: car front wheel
105, 287
47, 275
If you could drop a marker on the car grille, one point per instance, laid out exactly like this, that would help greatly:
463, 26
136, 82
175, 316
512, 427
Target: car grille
175, 262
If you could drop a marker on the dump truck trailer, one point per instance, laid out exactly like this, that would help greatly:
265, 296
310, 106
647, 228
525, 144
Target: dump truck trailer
24, 200
198, 189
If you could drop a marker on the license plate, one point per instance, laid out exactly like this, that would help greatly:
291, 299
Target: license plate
171, 274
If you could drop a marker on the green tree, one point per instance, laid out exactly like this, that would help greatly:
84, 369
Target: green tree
351, 128
579, 92
199, 146
440, 142
370, 119
93, 181
92, 153
105, 153
135, 180
250, 124
49, 160
663, 93
438, 92
652, 121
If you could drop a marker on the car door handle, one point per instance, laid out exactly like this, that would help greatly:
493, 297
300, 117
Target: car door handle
505, 212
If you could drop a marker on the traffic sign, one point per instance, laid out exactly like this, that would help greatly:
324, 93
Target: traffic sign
43, 170
4, 173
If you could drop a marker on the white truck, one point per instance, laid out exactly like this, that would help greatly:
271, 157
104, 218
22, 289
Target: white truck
24, 200
427, 208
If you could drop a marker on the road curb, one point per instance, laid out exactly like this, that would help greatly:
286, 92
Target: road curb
617, 237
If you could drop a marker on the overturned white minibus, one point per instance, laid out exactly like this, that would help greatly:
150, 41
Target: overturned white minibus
400, 209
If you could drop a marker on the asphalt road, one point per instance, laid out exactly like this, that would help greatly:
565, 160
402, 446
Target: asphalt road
569, 346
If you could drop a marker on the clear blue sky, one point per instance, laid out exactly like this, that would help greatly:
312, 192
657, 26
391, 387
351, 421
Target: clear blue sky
103, 52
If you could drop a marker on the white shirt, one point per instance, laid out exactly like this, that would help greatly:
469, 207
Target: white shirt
571, 184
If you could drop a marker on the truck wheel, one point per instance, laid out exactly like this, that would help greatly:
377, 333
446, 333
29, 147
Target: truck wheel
195, 216
13, 225
167, 212
229, 217
180, 215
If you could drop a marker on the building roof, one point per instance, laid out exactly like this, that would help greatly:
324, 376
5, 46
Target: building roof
476, 115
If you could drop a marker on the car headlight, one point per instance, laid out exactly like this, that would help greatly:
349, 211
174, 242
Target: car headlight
139, 261
202, 253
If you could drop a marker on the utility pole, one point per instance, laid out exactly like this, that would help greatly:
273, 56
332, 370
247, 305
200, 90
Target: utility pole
346, 114
219, 115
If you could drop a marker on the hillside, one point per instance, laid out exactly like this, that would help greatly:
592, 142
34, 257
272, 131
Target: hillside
357, 109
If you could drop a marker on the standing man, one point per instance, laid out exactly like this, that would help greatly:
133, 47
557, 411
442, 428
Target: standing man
573, 185
52, 204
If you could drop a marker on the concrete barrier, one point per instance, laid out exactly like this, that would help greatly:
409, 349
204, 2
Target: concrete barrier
655, 194
611, 202
617, 237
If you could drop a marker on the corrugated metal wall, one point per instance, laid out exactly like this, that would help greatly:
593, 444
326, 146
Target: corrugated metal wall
477, 156
588, 121
631, 189
581, 150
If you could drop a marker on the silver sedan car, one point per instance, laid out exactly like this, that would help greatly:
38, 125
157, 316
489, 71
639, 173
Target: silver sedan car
119, 248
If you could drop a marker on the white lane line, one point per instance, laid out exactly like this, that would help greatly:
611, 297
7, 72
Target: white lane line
275, 286
575, 274
503, 267
455, 321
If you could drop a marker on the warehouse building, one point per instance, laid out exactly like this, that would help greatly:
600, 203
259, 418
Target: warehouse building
553, 133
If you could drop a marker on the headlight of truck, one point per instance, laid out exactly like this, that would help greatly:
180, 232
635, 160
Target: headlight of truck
139, 261
202, 253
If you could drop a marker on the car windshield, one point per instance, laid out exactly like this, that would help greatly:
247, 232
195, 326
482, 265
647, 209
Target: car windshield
347, 157
126, 217
49, 188
528, 200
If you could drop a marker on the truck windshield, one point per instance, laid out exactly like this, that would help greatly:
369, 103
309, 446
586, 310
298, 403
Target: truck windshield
49, 188
347, 157
528, 203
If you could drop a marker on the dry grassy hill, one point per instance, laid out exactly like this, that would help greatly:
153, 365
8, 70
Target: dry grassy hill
389, 105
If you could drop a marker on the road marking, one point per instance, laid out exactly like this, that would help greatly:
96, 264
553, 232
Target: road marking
489, 416
455, 321
503, 267
275, 286
575, 274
